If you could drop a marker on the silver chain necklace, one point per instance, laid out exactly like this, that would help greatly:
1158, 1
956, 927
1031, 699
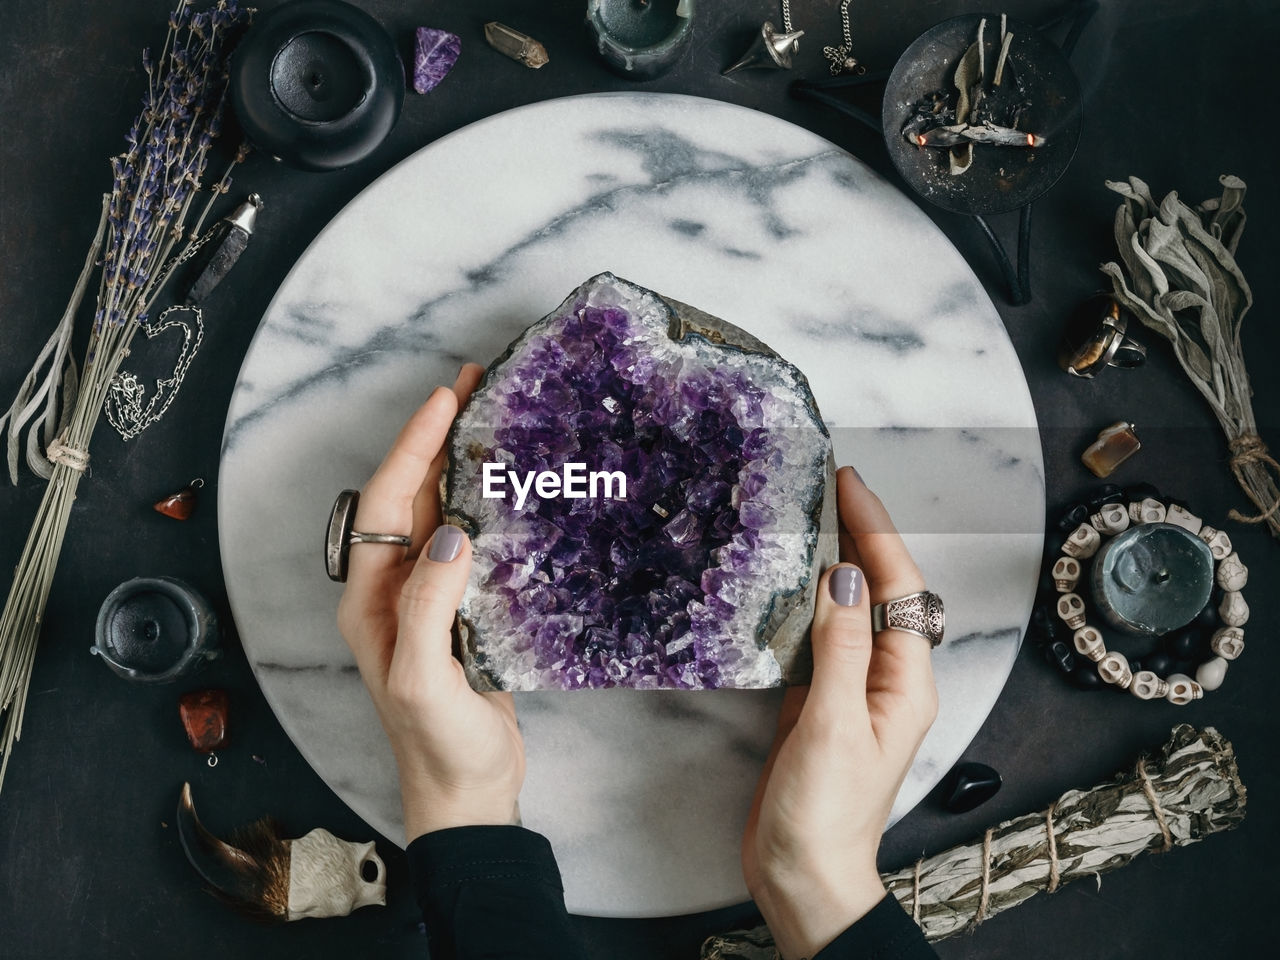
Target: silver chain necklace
840, 57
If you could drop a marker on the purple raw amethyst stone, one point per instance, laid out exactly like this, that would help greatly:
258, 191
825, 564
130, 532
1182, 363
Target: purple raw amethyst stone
703, 575
434, 54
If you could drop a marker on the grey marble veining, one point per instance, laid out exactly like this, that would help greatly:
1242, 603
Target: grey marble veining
448, 256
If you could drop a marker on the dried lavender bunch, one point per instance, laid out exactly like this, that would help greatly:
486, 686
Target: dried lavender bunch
142, 233
1189, 791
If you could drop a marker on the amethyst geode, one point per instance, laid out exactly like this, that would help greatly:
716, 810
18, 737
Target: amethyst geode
704, 575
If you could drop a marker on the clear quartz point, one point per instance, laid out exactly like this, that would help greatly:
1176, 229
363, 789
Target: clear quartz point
516, 45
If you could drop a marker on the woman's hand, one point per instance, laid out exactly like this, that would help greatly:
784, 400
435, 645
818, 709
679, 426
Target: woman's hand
460, 754
844, 744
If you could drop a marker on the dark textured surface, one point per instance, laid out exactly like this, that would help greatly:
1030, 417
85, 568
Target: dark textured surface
1174, 92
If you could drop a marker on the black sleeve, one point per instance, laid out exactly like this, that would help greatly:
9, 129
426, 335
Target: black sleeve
886, 933
491, 892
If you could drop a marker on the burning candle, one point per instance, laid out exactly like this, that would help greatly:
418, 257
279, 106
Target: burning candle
155, 629
1152, 579
640, 39
317, 83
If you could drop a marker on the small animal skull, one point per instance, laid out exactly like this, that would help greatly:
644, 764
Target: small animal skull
1071, 610
1218, 541
1232, 574
1089, 643
1182, 517
1148, 686
1182, 689
1112, 518
1066, 574
1233, 610
1149, 510
326, 876
1227, 642
1083, 542
1114, 669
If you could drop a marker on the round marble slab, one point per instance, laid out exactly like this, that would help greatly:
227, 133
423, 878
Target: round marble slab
450, 255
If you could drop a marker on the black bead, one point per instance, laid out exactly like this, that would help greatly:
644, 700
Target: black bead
969, 785
1142, 491
1060, 655
1208, 615
1107, 493
1073, 516
1044, 625
1085, 676
1158, 663
1186, 644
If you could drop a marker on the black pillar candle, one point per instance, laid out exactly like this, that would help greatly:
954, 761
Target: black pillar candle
317, 84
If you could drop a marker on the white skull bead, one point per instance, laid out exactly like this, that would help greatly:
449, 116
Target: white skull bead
1182, 689
1083, 542
1066, 574
1211, 673
1147, 511
1071, 610
1148, 686
1088, 642
1232, 574
1233, 610
1227, 642
1112, 518
1114, 669
1182, 517
1218, 541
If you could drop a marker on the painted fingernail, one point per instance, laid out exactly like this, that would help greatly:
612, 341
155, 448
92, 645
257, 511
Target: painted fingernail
445, 544
845, 584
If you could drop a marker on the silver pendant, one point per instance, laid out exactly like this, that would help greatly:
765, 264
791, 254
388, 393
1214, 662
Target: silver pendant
770, 50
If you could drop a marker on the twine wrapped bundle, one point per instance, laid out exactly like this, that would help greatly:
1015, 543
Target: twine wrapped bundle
1189, 791
1184, 283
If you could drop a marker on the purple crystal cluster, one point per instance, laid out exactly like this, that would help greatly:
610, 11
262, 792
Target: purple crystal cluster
669, 588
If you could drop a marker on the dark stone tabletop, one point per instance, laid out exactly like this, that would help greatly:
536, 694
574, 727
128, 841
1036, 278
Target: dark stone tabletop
90, 866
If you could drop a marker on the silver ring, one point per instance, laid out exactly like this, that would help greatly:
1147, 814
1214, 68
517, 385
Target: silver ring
340, 536
355, 536
919, 613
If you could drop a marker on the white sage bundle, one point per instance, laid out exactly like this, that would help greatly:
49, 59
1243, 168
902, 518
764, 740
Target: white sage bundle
1183, 282
1190, 790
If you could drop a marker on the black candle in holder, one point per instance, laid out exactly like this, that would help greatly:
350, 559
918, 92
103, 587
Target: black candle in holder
317, 84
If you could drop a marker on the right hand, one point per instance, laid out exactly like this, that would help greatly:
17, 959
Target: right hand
844, 743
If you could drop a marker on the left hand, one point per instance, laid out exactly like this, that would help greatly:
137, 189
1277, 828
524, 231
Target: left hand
459, 753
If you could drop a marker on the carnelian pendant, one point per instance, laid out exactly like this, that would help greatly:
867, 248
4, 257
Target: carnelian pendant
179, 505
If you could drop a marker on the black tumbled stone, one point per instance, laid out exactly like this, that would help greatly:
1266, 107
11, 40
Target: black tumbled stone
1138, 492
1158, 663
1107, 493
969, 785
1073, 516
1060, 655
1085, 676
1044, 625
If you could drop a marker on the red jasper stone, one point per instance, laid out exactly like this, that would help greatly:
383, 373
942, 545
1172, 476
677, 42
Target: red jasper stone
204, 717
178, 505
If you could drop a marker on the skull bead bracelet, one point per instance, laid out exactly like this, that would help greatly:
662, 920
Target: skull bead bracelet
1143, 513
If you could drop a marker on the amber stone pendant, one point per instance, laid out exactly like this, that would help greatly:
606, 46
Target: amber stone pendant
1115, 444
204, 717
179, 505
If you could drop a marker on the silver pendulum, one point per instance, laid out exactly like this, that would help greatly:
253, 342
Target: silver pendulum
770, 49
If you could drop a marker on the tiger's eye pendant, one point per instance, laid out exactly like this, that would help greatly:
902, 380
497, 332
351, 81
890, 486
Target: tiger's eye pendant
179, 505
